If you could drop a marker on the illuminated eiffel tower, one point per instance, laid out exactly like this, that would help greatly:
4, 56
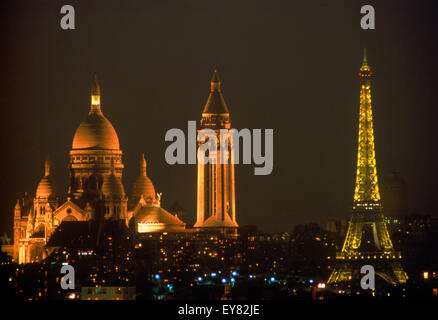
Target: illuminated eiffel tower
367, 241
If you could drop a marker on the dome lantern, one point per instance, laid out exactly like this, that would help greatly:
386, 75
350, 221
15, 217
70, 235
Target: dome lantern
96, 131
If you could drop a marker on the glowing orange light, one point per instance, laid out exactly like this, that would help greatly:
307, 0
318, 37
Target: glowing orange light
95, 100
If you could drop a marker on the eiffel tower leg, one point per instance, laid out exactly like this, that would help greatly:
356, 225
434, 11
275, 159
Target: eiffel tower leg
341, 273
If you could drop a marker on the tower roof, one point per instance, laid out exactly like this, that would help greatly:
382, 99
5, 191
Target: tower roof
96, 131
215, 102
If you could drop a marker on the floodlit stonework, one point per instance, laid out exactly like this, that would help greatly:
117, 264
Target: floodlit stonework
95, 191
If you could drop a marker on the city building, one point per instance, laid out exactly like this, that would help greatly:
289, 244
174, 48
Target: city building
108, 293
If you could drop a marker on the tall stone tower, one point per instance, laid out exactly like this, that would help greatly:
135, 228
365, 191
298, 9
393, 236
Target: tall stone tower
216, 190
95, 153
367, 241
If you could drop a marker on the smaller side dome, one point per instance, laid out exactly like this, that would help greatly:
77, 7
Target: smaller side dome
148, 219
143, 186
46, 187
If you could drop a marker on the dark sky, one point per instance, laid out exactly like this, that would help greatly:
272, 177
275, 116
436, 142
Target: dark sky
287, 65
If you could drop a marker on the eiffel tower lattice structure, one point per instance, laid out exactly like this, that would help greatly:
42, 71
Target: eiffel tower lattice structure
367, 241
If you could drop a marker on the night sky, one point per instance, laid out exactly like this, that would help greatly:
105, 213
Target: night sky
287, 65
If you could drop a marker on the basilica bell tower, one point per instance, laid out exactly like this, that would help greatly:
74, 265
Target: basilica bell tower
216, 190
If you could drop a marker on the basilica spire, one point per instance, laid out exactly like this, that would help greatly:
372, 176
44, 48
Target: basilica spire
95, 95
47, 165
215, 83
143, 166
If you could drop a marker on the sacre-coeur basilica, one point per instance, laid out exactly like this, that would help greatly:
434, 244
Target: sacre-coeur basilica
96, 192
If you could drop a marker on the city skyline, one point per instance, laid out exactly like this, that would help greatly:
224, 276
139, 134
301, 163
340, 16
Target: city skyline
218, 155
142, 121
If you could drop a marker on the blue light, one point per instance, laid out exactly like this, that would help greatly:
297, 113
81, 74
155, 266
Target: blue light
311, 281
272, 279
199, 279
233, 280
224, 280
213, 274
157, 276
251, 276
234, 273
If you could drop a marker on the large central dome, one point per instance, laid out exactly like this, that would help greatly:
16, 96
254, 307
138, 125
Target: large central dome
96, 132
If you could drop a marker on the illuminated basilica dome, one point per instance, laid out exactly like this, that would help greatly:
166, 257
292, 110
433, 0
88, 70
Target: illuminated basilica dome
95, 154
155, 219
96, 131
46, 187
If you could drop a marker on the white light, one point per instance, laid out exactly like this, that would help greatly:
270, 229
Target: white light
321, 285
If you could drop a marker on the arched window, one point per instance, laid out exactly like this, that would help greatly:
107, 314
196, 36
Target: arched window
70, 218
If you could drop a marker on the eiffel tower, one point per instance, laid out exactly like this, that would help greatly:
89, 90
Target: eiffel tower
367, 241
